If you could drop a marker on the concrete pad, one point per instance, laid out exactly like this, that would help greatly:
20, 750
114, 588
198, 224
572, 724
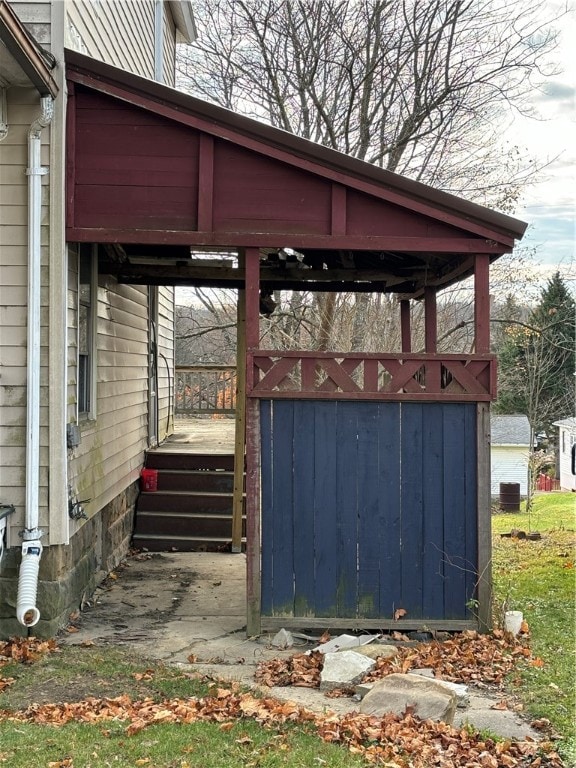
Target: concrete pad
168, 606
505, 723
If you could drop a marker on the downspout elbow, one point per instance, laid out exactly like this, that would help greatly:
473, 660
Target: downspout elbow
26, 611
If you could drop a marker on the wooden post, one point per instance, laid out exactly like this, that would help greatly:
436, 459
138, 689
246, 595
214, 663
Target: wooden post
253, 611
405, 326
482, 303
240, 432
484, 589
430, 321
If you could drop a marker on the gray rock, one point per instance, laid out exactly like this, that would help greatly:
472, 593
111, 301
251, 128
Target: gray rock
425, 698
461, 691
376, 651
344, 669
423, 672
283, 639
361, 690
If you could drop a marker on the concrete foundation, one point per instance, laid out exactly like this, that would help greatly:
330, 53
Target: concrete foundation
70, 573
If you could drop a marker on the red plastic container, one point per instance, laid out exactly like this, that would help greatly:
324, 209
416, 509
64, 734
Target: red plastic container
149, 480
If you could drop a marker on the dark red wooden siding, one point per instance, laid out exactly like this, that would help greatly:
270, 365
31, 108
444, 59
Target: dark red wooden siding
134, 169
255, 193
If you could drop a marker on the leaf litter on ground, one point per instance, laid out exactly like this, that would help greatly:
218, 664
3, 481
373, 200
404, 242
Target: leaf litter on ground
392, 740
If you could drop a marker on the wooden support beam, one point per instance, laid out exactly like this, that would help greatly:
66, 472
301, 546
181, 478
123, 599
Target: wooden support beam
232, 240
240, 431
338, 217
205, 182
273, 623
484, 589
430, 320
482, 303
405, 325
253, 585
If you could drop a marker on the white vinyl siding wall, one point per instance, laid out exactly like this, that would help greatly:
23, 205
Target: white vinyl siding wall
112, 445
169, 47
23, 109
509, 464
115, 31
165, 362
36, 17
567, 440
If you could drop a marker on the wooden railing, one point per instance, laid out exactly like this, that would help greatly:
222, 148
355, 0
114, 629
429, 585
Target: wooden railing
358, 376
205, 389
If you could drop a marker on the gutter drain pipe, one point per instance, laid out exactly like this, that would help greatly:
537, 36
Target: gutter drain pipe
26, 611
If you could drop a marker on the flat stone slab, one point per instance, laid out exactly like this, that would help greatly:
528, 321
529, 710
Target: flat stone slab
377, 651
344, 669
421, 696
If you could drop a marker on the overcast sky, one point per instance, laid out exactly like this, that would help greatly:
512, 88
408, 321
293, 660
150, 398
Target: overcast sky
550, 205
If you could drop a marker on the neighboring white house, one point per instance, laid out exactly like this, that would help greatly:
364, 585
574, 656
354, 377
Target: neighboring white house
510, 446
567, 451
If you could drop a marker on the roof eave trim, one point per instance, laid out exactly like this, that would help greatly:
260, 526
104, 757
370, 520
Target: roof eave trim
183, 16
25, 51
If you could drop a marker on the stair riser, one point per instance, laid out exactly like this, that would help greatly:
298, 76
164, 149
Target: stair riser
164, 460
163, 503
215, 482
167, 526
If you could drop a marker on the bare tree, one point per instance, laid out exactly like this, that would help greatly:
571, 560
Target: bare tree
420, 87
423, 88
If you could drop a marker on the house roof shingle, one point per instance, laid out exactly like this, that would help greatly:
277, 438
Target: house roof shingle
510, 430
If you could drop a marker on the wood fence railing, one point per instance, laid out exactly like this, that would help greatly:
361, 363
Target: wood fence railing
362, 376
205, 390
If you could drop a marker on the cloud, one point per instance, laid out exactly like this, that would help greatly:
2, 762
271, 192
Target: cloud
556, 91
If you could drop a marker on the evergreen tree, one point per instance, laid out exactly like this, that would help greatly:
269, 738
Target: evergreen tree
537, 361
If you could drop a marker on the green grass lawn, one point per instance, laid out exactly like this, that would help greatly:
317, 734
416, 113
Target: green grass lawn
538, 578
535, 577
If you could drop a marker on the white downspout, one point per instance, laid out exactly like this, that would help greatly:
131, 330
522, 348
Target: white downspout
26, 611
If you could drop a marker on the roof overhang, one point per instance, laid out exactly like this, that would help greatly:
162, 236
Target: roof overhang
22, 60
183, 173
183, 15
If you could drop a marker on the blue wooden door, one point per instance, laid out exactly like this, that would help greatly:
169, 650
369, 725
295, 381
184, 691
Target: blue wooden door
368, 508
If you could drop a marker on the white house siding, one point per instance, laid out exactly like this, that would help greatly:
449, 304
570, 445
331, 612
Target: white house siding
112, 445
36, 17
567, 440
509, 464
115, 31
23, 109
165, 361
169, 47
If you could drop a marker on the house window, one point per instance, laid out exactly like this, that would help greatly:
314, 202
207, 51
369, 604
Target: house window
87, 276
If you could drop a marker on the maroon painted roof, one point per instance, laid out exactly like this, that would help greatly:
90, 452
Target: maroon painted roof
152, 166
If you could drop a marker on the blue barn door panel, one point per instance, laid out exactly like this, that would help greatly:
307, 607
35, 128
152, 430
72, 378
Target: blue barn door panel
368, 508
